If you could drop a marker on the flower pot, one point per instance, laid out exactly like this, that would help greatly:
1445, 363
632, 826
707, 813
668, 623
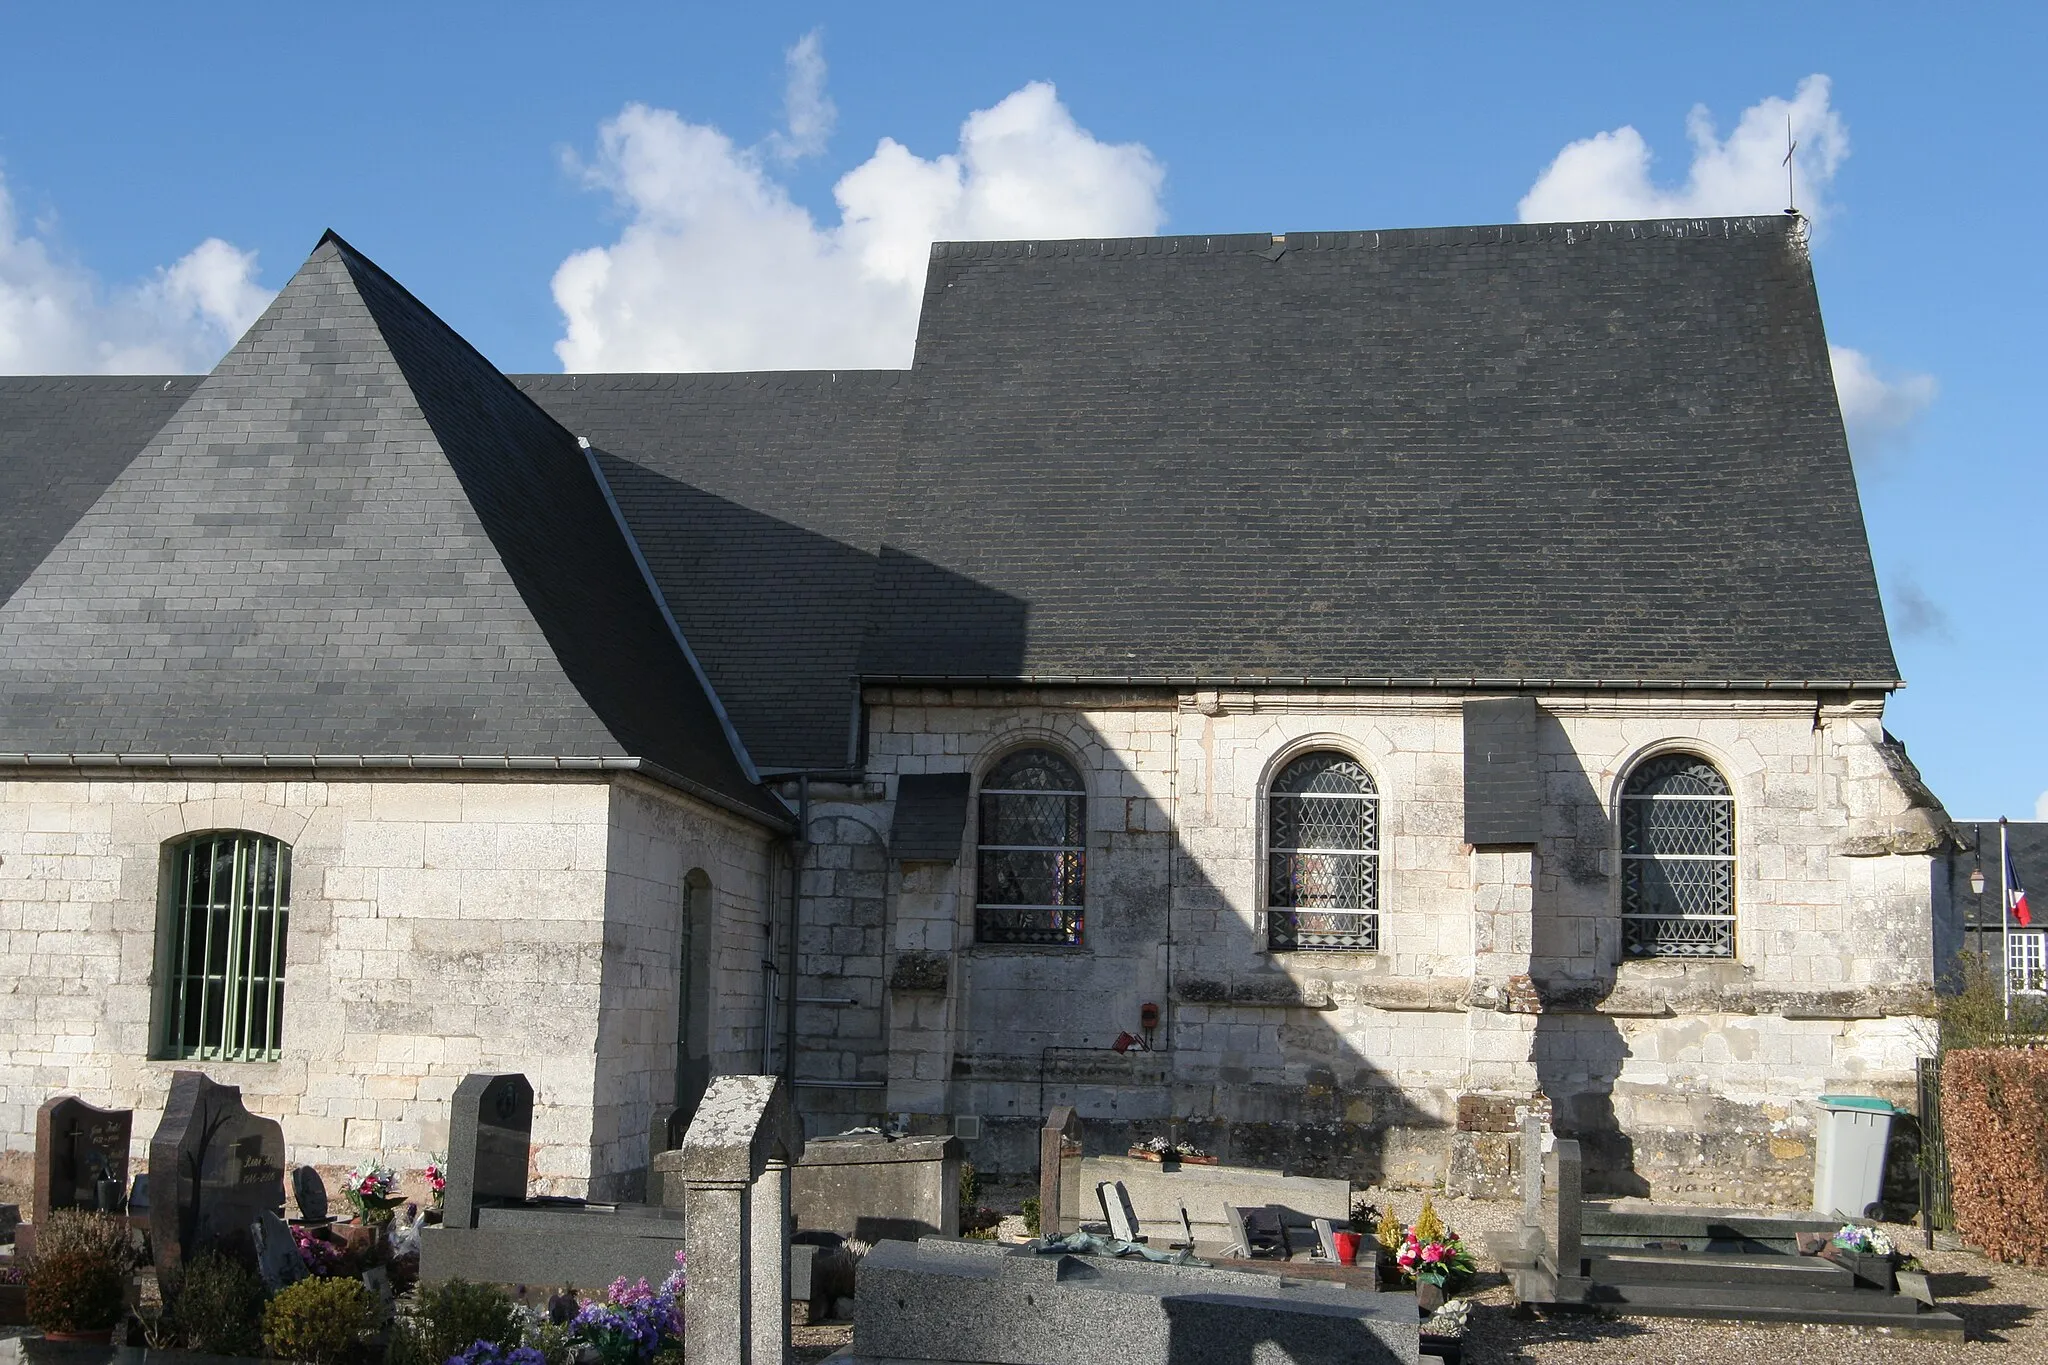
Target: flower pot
103, 1337
1347, 1247
1428, 1297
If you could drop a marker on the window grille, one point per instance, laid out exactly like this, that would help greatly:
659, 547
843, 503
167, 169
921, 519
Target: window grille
1031, 858
231, 907
1677, 860
1322, 856
2026, 959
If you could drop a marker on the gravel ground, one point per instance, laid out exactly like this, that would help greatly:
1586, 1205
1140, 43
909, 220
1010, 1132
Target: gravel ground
2004, 1309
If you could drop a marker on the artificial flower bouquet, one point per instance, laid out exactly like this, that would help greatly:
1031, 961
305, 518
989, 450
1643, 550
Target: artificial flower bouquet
1426, 1252
371, 1189
437, 1181
1865, 1241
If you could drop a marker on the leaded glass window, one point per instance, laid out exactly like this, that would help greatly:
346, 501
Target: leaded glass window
1322, 855
231, 906
1032, 855
1677, 860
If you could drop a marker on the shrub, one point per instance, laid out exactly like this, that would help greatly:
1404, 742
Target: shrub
319, 1321
1994, 1115
1974, 1010
1030, 1211
450, 1316
82, 1230
217, 1305
76, 1291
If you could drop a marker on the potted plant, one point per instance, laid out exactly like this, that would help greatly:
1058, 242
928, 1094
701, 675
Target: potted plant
77, 1295
78, 1280
437, 1187
1866, 1252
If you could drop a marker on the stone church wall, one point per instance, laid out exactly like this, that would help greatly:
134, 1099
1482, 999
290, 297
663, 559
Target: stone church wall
437, 928
1499, 976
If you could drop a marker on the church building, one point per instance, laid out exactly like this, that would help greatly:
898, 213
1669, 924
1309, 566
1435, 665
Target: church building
1307, 697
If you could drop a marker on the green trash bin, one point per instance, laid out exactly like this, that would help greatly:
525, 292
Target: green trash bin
1848, 1174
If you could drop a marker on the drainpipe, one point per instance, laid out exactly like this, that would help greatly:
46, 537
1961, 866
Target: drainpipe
799, 854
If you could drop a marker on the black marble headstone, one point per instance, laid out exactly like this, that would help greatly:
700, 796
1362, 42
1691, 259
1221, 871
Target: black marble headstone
214, 1168
309, 1192
490, 1135
78, 1146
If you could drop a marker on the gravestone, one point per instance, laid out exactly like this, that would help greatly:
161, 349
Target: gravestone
1059, 1173
873, 1187
987, 1304
309, 1192
1532, 1166
1117, 1210
735, 1164
214, 1168
78, 1145
490, 1129
277, 1252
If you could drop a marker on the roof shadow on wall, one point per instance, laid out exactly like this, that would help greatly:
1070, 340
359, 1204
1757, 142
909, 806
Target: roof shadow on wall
786, 620
1261, 1058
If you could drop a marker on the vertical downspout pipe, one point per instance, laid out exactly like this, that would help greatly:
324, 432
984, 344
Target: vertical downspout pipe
799, 854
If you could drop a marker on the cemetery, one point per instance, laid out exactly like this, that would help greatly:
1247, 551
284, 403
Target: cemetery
203, 1236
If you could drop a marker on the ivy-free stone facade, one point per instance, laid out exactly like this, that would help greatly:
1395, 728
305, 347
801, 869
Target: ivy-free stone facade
627, 730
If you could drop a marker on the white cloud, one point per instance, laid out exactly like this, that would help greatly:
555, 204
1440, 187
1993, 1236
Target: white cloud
2041, 806
807, 110
1878, 412
718, 268
57, 318
1608, 175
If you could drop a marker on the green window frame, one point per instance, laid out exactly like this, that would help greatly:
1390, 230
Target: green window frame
230, 913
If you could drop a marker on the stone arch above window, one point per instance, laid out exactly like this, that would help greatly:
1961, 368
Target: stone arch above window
1031, 854
1323, 855
227, 921
1677, 859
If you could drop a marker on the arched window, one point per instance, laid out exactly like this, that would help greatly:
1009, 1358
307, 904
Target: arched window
1031, 857
1322, 855
231, 895
1677, 860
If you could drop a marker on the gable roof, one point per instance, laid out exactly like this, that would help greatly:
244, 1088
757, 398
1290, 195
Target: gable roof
355, 539
1597, 453
1572, 455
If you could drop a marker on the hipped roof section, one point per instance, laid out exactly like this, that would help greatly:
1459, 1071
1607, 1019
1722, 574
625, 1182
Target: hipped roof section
355, 538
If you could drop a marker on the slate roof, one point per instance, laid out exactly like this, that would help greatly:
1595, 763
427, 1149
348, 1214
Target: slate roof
1601, 454
356, 538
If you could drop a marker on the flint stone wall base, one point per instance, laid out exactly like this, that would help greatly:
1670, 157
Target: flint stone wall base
985, 1304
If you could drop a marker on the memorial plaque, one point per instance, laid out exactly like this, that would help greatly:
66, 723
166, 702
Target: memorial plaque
490, 1134
277, 1252
309, 1192
79, 1146
214, 1169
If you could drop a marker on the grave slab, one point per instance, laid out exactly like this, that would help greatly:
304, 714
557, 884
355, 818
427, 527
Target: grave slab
996, 1305
1160, 1190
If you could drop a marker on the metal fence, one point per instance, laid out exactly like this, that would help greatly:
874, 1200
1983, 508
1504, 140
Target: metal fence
1936, 1210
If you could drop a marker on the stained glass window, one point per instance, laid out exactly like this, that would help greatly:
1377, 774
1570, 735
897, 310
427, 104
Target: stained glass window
1677, 860
1032, 855
1322, 855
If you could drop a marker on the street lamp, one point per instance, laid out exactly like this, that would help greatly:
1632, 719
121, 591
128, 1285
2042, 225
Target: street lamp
1976, 881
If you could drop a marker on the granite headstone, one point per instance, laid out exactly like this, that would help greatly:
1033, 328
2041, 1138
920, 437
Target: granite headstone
277, 1252
1059, 1172
78, 1147
309, 1192
490, 1135
214, 1169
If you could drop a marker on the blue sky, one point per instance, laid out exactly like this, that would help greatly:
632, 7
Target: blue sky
474, 150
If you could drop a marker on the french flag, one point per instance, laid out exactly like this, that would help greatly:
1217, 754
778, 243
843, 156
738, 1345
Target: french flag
2016, 894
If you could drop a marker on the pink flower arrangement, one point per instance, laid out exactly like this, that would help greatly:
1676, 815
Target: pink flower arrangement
437, 1180
370, 1188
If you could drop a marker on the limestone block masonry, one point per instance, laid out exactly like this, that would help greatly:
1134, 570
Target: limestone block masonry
437, 927
1499, 974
